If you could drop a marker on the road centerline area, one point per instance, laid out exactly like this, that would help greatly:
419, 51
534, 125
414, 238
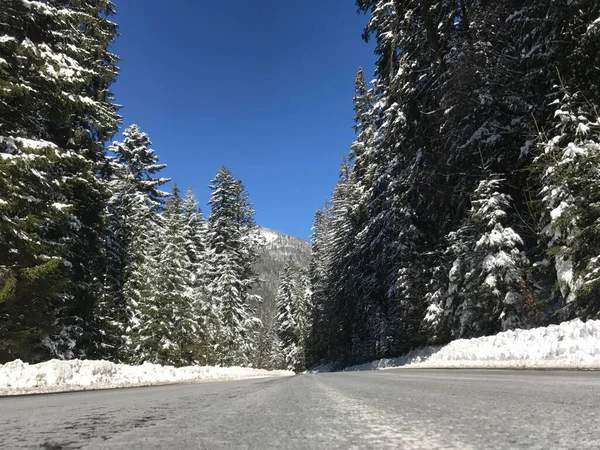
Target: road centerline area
382, 428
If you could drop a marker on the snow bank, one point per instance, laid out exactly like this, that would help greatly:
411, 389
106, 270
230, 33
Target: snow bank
17, 377
570, 345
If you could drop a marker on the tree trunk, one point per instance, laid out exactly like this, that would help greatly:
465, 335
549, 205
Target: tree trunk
432, 35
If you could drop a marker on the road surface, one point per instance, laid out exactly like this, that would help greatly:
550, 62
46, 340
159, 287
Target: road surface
403, 409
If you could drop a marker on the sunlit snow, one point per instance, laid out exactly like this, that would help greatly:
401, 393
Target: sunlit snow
570, 345
56, 375
268, 235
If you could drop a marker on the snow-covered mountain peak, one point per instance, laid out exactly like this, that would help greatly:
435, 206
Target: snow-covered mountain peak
277, 249
268, 235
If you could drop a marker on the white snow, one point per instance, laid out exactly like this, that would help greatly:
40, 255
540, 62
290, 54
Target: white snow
559, 210
268, 235
572, 151
582, 129
60, 206
567, 281
10, 143
570, 345
17, 377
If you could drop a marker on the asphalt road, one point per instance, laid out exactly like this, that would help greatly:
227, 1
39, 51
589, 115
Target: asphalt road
403, 409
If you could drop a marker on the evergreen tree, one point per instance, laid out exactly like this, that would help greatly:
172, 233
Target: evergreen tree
195, 231
232, 256
287, 327
489, 287
568, 166
56, 112
319, 322
131, 215
291, 321
168, 329
268, 353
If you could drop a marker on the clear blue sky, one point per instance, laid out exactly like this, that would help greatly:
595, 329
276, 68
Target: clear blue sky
263, 87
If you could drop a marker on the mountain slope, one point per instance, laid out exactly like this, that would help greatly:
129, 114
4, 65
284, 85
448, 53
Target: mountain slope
278, 249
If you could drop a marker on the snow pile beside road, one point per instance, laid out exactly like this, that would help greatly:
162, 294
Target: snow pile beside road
17, 377
570, 345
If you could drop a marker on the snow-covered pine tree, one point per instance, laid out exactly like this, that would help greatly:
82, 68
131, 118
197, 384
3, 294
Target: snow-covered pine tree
342, 301
231, 224
132, 218
489, 289
56, 112
268, 353
404, 199
195, 231
167, 329
568, 167
32, 272
285, 320
317, 348
365, 127
366, 157
291, 320
303, 308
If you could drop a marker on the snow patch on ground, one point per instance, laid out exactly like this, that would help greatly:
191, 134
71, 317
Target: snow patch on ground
17, 377
570, 345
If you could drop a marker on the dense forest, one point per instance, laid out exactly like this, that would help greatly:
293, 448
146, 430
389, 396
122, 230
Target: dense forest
95, 260
467, 205
469, 202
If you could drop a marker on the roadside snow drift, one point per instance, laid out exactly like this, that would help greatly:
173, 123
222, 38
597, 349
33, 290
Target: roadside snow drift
17, 377
570, 345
